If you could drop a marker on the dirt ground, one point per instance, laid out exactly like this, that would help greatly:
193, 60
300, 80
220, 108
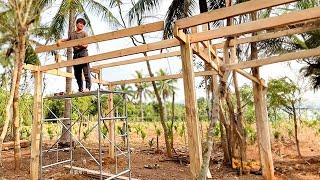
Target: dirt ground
287, 164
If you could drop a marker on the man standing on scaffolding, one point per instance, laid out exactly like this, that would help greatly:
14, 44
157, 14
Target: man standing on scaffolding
79, 52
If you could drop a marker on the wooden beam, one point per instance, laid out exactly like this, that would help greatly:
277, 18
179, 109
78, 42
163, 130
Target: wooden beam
35, 166
137, 60
60, 73
96, 174
263, 134
269, 35
257, 25
159, 78
223, 13
192, 121
275, 59
114, 54
152, 27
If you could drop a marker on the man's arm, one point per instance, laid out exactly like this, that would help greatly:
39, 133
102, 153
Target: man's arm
61, 40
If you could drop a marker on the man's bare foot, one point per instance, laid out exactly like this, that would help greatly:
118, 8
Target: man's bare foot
86, 90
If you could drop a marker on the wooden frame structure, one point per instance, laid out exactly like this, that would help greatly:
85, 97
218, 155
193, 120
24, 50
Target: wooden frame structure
198, 43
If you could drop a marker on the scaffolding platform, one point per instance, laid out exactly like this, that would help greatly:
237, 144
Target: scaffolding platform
69, 128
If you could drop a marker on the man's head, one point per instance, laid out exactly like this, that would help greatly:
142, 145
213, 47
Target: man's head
80, 23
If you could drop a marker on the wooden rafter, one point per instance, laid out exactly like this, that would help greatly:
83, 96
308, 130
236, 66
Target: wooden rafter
114, 54
137, 60
61, 73
270, 35
159, 78
257, 25
223, 13
152, 27
275, 59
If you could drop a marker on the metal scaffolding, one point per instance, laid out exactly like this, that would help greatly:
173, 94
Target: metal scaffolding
53, 154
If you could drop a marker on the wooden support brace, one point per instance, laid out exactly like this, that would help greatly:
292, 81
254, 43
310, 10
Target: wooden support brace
251, 77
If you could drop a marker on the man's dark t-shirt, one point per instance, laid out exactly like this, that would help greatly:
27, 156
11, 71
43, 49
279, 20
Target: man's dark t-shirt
79, 51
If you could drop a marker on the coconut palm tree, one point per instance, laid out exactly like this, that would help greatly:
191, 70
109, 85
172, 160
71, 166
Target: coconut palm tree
17, 20
65, 18
167, 88
142, 92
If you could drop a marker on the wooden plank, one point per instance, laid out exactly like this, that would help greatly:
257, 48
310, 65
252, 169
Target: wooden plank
192, 121
114, 54
262, 123
36, 127
137, 60
275, 59
159, 78
61, 73
257, 25
223, 13
269, 35
111, 124
10, 145
152, 27
96, 173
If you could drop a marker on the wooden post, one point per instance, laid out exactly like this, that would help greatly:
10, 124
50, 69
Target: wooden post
36, 127
111, 124
262, 124
192, 120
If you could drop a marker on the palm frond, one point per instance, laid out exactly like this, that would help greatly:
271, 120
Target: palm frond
59, 22
99, 10
178, 9
142, 7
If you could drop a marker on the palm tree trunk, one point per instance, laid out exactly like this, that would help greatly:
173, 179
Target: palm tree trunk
16, 121
173, 114
67, 107
141, 107
162, 113
8, 107
296, 128
242, 139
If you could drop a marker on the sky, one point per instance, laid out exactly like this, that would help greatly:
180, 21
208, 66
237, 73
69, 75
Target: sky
170, 65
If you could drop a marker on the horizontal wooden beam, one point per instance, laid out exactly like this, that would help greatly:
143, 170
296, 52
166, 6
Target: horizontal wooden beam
114, 54
270, 35
159, 78
137, 60
257, 25
60, 73
227, 12
275, 59
152, 27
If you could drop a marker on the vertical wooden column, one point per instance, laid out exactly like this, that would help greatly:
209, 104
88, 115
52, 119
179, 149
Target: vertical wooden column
36, 127
111, 124
192, 120
262, 124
